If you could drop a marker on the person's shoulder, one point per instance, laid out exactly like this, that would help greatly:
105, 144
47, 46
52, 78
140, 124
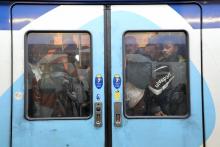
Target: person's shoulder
137, 58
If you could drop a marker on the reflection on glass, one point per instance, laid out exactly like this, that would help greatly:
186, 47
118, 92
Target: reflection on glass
58, 70
156, 74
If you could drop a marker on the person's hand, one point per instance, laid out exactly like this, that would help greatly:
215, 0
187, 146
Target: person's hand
160, 113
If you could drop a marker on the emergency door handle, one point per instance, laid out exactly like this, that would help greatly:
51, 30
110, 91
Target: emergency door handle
117, 114
98, 114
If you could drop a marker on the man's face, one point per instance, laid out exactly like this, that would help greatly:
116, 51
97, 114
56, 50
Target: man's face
169, 49
131, 48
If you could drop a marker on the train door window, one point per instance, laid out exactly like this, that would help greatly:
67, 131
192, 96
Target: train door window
156, 74
58, 75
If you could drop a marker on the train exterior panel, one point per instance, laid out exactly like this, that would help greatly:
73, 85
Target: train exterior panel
103, 48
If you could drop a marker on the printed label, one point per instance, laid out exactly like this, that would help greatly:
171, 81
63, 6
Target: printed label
117, 81
98, 81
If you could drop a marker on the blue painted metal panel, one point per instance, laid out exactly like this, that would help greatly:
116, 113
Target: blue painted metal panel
57, 133
190, 13
211, 14
53, 133
5, 118
4, 17
156, 132
209, 110
210, 121
22, 17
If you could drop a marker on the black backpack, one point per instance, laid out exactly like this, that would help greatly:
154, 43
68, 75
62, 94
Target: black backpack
68, 90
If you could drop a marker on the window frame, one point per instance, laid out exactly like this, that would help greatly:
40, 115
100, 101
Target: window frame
188, 101
26, 61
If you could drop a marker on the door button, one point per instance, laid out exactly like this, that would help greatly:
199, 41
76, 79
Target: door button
98, 114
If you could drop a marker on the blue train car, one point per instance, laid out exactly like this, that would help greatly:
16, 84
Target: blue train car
109, 73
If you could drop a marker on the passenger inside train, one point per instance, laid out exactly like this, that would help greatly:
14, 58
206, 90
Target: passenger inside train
156, 74
58, 75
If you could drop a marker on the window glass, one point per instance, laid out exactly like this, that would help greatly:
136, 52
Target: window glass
156, 74
58, 69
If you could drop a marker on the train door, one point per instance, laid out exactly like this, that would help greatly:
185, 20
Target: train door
58, 76
155, 74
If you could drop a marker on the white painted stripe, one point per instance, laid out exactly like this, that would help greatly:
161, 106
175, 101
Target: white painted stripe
211, 70
5, 60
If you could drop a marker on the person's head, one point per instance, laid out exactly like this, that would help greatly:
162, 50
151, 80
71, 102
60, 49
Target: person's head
153, 51
169, 49
130, 45
34, 54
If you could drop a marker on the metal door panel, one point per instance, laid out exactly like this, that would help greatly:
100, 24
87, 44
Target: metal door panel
56, 133
156, 132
